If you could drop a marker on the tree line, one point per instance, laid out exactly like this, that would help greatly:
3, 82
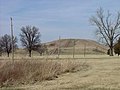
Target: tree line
29, 37
107, 29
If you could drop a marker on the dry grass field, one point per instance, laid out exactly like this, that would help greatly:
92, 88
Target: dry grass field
92, 72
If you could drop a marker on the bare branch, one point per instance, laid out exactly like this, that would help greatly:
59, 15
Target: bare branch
30, 37
106, 27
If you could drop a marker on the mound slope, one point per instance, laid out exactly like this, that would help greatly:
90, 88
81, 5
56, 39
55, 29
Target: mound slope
80, 44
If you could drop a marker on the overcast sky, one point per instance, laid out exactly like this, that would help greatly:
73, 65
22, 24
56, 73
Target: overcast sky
54, 18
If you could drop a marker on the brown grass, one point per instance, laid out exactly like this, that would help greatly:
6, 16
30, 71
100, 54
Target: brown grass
30, 72
80, 44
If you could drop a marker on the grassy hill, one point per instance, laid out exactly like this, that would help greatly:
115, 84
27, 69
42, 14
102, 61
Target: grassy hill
81, 46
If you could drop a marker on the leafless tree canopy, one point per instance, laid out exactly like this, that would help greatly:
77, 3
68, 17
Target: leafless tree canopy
30, 36
41, 48
6, 45
108, 27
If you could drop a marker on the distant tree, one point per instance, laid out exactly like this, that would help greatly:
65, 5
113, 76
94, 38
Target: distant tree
117, 47
41, 49
29, 37
107, 28
6, 45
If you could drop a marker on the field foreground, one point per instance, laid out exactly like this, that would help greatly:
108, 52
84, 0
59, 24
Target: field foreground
102, 74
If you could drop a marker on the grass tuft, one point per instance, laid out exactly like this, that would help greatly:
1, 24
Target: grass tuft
30, 72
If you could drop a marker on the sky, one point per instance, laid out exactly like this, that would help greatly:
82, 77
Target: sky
54, 18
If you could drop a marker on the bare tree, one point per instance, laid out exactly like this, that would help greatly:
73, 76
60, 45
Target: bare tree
30, 37
41, 49
108, 28
6, 44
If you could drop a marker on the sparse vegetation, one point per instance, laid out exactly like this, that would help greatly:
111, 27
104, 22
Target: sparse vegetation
30, 72
90, 73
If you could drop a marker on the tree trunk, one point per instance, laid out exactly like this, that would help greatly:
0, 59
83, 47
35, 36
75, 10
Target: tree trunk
111, 51
118, 54
40, 54
0, 53
30, 53
8, 54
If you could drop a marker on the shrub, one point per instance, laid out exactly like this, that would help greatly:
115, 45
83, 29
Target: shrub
30, 72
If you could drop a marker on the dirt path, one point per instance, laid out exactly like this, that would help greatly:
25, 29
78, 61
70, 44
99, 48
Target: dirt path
101, 75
